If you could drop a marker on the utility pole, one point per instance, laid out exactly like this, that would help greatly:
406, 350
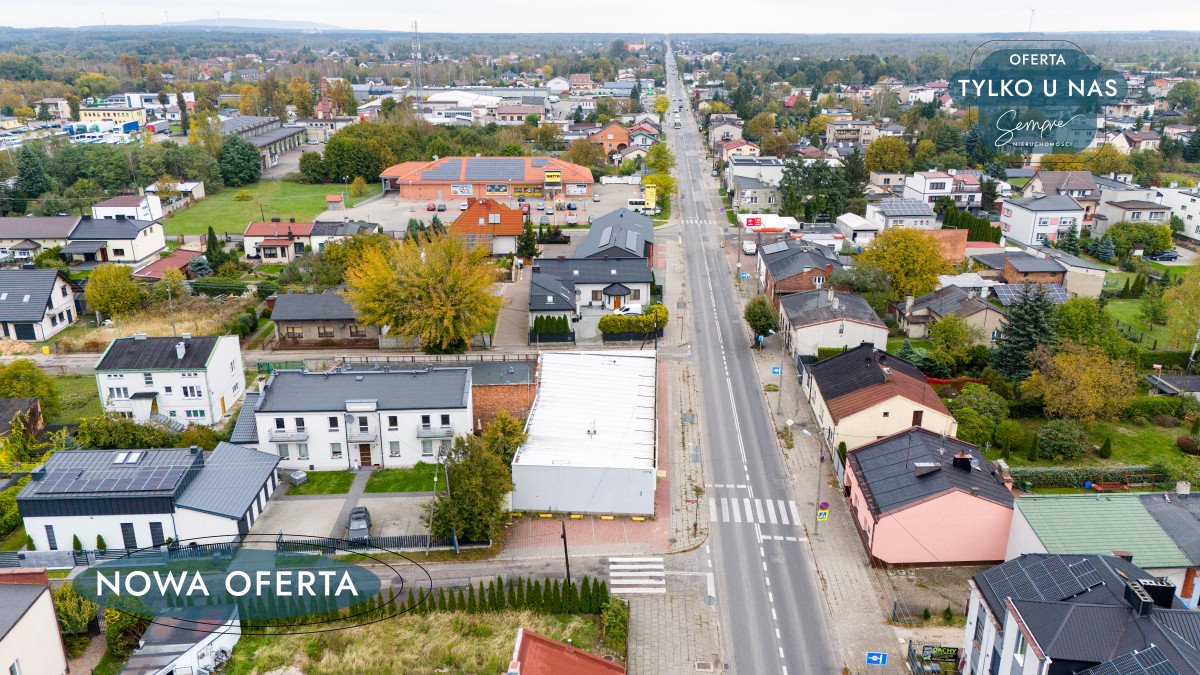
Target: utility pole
566, 558
171, 305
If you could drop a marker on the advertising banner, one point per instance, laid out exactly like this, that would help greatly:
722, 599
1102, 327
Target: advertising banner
462, 190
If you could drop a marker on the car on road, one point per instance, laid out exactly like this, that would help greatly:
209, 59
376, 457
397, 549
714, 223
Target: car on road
359, 526
525, 208
441, 207
544, 220
541, 205
549, 209
462, 206
1163, 256
630, 310
431, 207
595, 198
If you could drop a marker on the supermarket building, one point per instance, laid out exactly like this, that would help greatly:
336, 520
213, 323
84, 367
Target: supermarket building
456, 178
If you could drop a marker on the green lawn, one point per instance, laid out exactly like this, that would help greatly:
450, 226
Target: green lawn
895, 344
1017, 183
14, 541
78, 398
1127, 311
417, 479
269, 199
1131, 444
324, 483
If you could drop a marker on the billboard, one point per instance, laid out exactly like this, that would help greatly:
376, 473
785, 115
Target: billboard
651, 195
496, 188
553, 176
577, 189
462, 190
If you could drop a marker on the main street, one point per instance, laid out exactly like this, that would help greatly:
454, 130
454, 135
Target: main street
772, 613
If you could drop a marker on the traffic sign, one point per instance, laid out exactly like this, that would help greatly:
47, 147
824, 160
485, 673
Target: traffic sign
744, 275
822, 516
823, 506
876, 658
776, 370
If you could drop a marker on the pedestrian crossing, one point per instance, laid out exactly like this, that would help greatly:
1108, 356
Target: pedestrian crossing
695, 221
636, 575
747, 510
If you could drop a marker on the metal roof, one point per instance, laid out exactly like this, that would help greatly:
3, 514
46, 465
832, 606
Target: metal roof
245, 430
812, 307
230, 480
91, 474
548, 293
312, 307
1101, 524
964, 280
158, 353
432, 389
46, 227
900, 206
620, 229
109, 228
1068, 259
83, 246
25, 294
15, 601
1046, 203
593, 409
595, 270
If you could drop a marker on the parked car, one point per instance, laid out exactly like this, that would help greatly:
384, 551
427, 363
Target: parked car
520, 199
525, 208
549, 209
431, 207
749, 247
595, 198
541, 205
359, 526
572, 219
462, 206
441, 207
313, 141
1163, 256
631, 310
544, 220
571, 206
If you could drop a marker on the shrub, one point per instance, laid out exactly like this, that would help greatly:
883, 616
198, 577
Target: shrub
243, 196
1188, 444
1149, 407
973, 427
1029, 407
1166, 421
614, 621
1196, 426
1011, 435
1061, 440
76, 545
74, 611
100, 543
1074, 477
1105, 450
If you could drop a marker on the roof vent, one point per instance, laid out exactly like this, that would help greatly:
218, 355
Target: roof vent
186, 336
358, 378
962, 461
139, 336
887, 374
925, 468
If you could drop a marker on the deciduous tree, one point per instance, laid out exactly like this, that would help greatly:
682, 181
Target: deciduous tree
241, 163
888, 155
1184, 318
473, 508
911, 259
1080, 382
112, 291
760, 316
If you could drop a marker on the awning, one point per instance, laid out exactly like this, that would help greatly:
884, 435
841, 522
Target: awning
83, 247
277, 242
142, 395
616, 289
25, 245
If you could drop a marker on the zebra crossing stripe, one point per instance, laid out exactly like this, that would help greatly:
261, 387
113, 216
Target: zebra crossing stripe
771, 511
637, 575
712, 509
724, 509
783, 514
758, 504
795, 518
749, 513
737, 516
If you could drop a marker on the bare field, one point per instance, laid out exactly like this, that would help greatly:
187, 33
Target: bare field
197, 315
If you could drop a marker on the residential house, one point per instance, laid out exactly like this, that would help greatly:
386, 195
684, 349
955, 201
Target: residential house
189, 191
768, 170
324, 232
535, 654
140, 498
30, 642
59, 108
1184, 204
737, 148
916, 315
489, 223
119, 240
36, 304
550, 296
1078, 185
857, 230
29, 410
1010, 294
1031, 221
722, 129
1129, 141
347, 419
634, 152
598, 283
1174, 385
307, 319
508, 115
860, 132
827, 319
901, 212
1122, 522
185, 640
178, 260
865, 394
754, 195
886, 183
619, 234
1093, 614
612, 137
642, 137
581, 82
928, 186
921, 498
967, 191
793, 265
277, 241
837, 114
1019, 269
1133, 210
1082, 278
130, 207
1178, 514
22, 238
185, 380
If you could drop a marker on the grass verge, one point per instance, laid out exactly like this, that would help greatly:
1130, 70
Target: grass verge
324, 483
419, 478
78, 398
14, 540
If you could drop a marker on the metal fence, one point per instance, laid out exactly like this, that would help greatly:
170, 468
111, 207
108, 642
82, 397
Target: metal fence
407, 542
66, 559
436, 359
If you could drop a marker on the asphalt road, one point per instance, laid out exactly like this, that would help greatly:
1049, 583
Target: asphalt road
772, 616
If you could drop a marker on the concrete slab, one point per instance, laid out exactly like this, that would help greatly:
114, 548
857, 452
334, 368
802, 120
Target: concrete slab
298, 517
393, 515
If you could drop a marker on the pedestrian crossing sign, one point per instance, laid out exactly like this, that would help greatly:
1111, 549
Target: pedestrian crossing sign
822, 515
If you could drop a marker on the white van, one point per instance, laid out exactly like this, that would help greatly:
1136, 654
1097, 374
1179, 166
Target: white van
749, 247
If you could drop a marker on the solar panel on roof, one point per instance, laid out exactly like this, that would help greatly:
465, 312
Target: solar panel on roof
604, 235
1149, 661
495, 168
447, 170
777, 247
539, 162
1009, 294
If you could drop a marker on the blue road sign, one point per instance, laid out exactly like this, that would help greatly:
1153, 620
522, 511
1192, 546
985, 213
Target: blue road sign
776, 370
876, 658
744, 275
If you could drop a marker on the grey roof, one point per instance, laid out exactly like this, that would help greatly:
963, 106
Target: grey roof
262, 140
1150, 661
502, 372
241, 123
1179, 518
845, 373
596, 271
1047, 203
10, 408
1029, 263
47, 227
109, 228
25, 294
342, 228
296, 391
1069, 259
795, 256
1019, 173
887, 471
1139, 204
312, 307
1174, 384
751, 183
1113, 184
92, 474
88, 246
157, 353
549, 293
229, 481
899, 206
244, 429
755, 161
943, 301
619, 233
811, 307
15, 600
996, 260
174, 632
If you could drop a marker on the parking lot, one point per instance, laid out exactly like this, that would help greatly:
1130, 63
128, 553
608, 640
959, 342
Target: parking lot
393, 513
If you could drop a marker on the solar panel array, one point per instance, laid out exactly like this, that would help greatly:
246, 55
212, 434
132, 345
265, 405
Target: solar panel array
125, 479
1010, 294
605, 235
777, 247
495, 168
905, 207
447, 170
539, 162
1050, 579
1150, 661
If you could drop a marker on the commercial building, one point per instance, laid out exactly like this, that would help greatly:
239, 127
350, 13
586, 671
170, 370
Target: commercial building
270, 136
591, 443
118, 114
451, 178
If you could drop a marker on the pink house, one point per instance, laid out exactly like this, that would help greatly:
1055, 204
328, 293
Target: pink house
920, 498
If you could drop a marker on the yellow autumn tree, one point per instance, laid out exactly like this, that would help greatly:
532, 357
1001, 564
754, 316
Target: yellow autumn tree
1081, 382
911, 259
436, 291
1183, 319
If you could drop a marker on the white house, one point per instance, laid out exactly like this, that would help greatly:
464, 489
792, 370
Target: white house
901, 212
35, 304
349, 419
591, 436
186, 640
857, 230
185, 380
928, 186
118, 240
558, 85
140, 498
1185, 205
826, 319
130, 207
600, 283
1132, 210
1030, 220
30, 643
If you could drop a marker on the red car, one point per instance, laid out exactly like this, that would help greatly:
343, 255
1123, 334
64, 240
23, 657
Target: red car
525, 208
431, 207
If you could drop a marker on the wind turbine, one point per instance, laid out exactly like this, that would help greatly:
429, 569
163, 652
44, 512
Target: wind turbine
1032, 13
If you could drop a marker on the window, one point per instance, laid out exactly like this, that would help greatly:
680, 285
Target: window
424, 421
191, 391
118, 251
887, 414
393, 422
302, 450
284, 453
818, 281
335, 450
15, 668
324, 332
64, 288
918, 417
333, 423
196, 414
1157, 215
148, 378
597, 296
357, 331
426, 449
280, 424
118, 393
156, 535
1135, 215
129, 538
299, 424
364, 424
50, 538
166, 390
635, 294
393, 448
445, 420
940, 185
295, 332
1019, 650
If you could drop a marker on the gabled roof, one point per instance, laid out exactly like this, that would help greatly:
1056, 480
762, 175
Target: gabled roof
230, 480
902, 207
25, 294
813, 307
596, 270
121, 201
856, 379
475, 219
244, 429
312, 307
107, 229
1064, 180
10, 408
278, 229
178, 260
431, 389
15, 601
945, 300
785, 259
549, 293
1049, 202
1084, 579
1179, 517
539, 655
899, 471
1068, 259
157, 353
618, 232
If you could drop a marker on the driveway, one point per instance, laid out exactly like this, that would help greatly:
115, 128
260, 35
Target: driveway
512, 325
289, 162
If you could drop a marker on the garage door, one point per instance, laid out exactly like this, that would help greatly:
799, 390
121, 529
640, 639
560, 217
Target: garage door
24, 331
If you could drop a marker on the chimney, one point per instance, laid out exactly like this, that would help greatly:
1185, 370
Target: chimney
1183, 488
24, 576
195, 449
1123, 555
1005, 474
925, 468
1161, 590
180, 349
139, 336
186, 336
1137, 597
274, 220
887, 373
962, 461
908, 303
291, 220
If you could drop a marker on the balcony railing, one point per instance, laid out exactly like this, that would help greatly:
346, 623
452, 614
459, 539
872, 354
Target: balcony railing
435, 432
357, 435
285, 436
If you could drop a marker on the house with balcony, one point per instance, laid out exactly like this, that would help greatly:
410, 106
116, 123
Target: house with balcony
793, 265
859, 132
1132, 210
348, 419
1078, 185
174, 381
1030, 221
722, 129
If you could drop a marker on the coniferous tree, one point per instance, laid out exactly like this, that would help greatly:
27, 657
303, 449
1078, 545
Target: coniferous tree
462, 600
1107, 249
500, 599
1033, 449
511, 600
490, 605
1139, 286
535, 597
1028, 325
585, 596
472, 606
1070, 241
556, 598
570, 598
1125, 289
441, 601
482, 606
522, 585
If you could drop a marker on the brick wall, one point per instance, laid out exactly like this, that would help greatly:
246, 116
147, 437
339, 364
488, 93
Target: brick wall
29, 575
490, 399
800, 282
1012, 276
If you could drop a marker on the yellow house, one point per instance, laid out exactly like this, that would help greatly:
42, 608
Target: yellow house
115, 114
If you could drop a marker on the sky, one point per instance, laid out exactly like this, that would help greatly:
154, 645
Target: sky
687, 16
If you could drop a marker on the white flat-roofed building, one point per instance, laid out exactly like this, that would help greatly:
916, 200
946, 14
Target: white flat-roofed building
591, 443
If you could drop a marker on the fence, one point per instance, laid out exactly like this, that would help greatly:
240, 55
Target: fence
69, 559
538, 338
632, 337
268, 367
436, 359
406, 542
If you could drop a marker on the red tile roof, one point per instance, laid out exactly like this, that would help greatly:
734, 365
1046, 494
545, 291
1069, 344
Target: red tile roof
539, 655
277, 242
901, 384
178, 260
281, 229
122, 200
512, 221
411, 172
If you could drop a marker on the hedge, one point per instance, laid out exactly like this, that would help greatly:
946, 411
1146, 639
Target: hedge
551, 324
1149, 359
641, 324
1150, 407
214, 287
1074, 477
828, 352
